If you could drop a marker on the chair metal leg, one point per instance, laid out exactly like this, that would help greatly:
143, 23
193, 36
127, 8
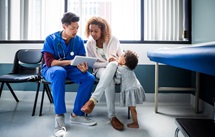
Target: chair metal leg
128, 113
36, 97
48, 92
41, 104
12, 92
2, 85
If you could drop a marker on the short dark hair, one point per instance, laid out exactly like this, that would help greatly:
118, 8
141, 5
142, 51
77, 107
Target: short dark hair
131, 59
69, 17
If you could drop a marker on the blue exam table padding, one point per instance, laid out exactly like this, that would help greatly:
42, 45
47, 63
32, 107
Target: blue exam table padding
199, 58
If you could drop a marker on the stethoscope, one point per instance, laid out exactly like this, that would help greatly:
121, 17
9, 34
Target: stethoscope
59, 44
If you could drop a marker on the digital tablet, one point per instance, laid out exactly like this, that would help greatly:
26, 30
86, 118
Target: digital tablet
80, 59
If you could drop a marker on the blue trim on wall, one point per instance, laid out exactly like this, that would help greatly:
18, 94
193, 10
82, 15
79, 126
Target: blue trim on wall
145, 74
168, 76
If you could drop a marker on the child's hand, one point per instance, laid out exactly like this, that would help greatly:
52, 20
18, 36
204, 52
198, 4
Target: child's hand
112, 59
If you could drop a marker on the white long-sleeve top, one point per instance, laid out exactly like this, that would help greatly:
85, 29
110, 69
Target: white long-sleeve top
111, 48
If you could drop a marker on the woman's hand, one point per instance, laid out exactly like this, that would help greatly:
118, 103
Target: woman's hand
83, 67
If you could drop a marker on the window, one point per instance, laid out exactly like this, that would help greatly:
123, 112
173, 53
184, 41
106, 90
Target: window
125, 23
131, 20
30, 19
44, 18
163, 20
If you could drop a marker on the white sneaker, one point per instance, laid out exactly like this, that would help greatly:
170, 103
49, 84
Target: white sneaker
82, 120
60, 128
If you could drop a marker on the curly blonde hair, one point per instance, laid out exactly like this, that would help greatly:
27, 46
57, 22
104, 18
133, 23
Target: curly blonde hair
102, 24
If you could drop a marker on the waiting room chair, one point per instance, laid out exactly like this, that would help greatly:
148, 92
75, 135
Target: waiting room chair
26, 68
47, 89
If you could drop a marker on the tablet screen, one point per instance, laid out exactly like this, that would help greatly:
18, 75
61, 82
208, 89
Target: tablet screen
80, 59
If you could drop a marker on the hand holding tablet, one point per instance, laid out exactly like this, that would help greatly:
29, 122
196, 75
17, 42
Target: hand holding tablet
80, 59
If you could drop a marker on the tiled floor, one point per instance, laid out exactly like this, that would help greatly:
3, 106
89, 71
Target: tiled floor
16, 119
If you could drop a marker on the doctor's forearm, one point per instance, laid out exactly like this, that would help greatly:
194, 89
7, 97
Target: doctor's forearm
61, 62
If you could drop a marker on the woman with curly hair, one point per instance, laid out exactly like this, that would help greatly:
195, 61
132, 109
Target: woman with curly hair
106, 48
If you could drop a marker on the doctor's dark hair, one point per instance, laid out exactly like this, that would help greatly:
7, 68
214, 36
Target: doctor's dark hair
131, 59
102, 24
69, 17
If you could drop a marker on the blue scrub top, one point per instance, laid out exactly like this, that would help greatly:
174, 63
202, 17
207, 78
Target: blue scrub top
55, 45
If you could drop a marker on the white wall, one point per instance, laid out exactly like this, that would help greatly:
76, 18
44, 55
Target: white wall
203, 18
7, 51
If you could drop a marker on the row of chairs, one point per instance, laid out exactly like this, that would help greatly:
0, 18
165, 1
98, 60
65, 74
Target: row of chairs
26, 68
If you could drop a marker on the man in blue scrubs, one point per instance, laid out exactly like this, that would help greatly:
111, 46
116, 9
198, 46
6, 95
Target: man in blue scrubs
59, 50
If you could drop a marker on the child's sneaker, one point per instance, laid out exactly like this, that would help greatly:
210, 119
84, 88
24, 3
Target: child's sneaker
82, 120
60, 128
